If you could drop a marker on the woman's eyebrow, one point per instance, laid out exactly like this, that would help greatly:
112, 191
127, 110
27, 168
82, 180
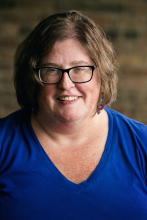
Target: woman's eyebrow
80, 62
49, 64
74, 63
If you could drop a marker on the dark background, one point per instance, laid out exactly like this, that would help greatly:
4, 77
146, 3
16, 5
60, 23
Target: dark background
124, 21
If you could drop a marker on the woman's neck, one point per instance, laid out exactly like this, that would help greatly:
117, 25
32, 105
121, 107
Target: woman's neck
67, 133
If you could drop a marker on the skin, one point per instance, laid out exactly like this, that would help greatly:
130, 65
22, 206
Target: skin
71, 132
66, 54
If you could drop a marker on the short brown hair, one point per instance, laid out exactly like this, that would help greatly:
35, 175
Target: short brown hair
41, 40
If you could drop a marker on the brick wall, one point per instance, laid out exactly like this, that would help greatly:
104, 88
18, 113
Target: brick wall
124, 21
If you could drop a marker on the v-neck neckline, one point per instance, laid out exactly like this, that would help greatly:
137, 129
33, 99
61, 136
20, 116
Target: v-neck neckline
54, 170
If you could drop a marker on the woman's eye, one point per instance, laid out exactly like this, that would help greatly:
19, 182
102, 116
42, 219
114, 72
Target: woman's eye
52, 71
79, 69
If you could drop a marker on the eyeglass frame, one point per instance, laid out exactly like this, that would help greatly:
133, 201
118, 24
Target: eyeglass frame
65, 71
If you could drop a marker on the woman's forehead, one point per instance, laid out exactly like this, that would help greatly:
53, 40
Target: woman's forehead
69, 51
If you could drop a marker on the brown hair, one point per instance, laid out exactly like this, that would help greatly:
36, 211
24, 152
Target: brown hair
62, 26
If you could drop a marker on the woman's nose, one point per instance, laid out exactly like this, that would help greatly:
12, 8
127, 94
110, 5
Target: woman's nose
66, 82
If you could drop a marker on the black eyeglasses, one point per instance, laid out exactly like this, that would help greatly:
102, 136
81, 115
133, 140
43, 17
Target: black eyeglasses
78, 74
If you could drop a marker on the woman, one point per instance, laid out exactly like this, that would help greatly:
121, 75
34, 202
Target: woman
65, 155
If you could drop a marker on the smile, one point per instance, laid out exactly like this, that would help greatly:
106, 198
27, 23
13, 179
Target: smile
68, 98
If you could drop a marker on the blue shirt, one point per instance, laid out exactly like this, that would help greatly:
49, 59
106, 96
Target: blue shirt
32, 188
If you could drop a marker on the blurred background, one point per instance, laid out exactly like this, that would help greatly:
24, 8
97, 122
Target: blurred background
125, 23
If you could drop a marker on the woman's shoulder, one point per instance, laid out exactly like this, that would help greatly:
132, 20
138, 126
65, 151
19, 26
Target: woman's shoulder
12, 129
129, 133
14, 116
12, 122
122, 121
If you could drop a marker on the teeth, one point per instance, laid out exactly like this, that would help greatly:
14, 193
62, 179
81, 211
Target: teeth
69, 98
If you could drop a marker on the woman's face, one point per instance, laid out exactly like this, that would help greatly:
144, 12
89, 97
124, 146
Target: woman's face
83, 98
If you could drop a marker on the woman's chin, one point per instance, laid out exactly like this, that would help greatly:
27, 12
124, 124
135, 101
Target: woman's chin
68, 118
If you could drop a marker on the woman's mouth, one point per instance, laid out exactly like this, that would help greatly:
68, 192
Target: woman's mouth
68, 98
